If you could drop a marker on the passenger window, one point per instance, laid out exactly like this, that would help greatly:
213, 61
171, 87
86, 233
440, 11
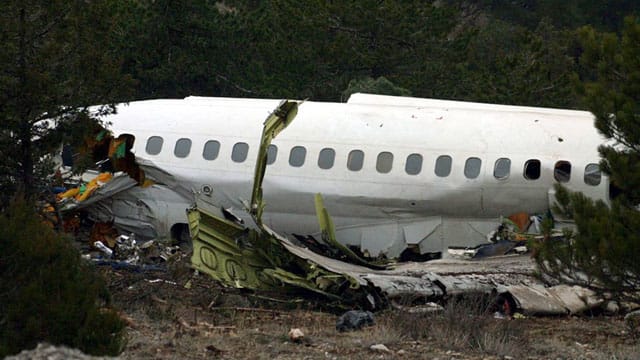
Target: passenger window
502, 168
154, 145
297, 155
384, 162
183, 147
326, 158
472, 167
443, 166
562, 171
272, 153
414, 164
355, 160
592, 174
240, 152
532, 169
211, 150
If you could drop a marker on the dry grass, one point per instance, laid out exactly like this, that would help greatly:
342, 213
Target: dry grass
206, 321
466, 324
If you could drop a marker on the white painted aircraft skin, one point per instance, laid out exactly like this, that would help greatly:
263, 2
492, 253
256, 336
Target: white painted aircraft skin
383, 213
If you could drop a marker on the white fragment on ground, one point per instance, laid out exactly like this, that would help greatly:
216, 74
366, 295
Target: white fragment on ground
379, 348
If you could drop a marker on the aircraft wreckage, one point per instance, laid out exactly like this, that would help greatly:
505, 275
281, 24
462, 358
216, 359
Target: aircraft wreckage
235, 245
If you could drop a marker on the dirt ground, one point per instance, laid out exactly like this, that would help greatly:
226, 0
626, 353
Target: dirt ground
176, 313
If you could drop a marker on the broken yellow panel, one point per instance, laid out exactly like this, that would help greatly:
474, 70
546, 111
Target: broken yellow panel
244, 257
217, 252
277, 121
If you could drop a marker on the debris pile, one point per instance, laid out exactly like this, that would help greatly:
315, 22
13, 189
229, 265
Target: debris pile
84, 190
126, 252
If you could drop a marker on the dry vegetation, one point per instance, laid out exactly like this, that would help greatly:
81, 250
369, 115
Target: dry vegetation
204, 320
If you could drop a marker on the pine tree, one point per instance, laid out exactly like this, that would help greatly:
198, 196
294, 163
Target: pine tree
603, 253
55, 62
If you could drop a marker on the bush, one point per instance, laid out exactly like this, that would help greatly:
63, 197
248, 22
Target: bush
48, 293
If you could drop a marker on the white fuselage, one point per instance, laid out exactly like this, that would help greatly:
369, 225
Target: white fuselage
403, 194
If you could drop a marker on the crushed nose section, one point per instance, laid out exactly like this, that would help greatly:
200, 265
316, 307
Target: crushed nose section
119, 190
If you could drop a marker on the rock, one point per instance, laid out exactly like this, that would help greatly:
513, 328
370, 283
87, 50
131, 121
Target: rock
612, 307
400, 352
354, 320
632, 320
51, 352
379, 348
296, 335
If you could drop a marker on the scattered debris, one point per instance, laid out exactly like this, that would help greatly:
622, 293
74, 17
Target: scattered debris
102, 247
354, 320
429, 307
129, 254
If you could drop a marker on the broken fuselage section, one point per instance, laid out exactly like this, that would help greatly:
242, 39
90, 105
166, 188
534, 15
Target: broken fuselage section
400, 176
422, 201
251, 255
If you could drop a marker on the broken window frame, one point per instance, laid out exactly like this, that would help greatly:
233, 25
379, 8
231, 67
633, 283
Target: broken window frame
413, 165
502, 168
326, 158
182, 148
355, 160
211, 150
562, 171
153, 142
384, 162
240, 152
443, 166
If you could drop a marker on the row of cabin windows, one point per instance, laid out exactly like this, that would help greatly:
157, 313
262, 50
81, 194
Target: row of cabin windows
384, 162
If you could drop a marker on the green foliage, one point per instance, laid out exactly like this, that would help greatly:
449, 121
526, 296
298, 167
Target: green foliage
173, 48
603, 14
378, 86
55, 62
513, 65
612, 92
48, 293
604, 250
603, 253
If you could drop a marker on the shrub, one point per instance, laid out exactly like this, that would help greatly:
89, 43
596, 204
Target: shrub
48, 293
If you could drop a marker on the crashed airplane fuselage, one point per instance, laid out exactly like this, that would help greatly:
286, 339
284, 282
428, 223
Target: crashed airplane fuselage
394, 172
